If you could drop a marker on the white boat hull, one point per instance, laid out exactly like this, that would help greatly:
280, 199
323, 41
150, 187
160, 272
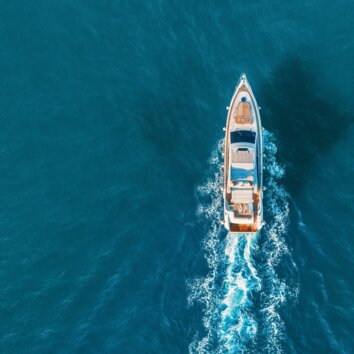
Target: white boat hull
243, 164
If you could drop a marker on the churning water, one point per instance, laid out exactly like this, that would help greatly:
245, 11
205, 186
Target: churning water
241, 297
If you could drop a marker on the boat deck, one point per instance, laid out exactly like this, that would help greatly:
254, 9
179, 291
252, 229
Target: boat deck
243, 114
245, 227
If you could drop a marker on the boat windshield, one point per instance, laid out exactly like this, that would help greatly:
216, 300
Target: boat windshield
243, 136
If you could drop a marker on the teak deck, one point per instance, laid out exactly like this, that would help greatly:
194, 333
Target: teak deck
243, 113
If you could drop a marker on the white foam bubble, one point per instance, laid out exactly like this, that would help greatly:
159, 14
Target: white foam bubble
231, 321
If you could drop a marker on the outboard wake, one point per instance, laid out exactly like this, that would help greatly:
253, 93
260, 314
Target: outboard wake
243, 293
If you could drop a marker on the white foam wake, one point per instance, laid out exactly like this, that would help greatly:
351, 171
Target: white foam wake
241, 298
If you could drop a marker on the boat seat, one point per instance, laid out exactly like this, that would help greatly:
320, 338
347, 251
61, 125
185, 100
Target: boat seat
239, 156
242, 195
243, 113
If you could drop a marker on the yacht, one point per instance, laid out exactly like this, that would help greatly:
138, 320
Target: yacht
243, 162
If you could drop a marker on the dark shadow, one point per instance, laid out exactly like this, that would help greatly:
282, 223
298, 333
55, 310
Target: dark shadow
306, 124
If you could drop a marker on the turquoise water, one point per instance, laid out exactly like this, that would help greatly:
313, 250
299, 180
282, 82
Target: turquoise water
110, 153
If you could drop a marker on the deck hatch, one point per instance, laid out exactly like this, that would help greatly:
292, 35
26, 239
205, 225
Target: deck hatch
243, 136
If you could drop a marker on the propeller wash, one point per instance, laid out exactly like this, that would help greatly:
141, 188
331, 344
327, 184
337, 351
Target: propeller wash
243, 292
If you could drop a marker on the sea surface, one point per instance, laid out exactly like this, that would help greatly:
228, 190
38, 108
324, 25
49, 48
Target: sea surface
111, 140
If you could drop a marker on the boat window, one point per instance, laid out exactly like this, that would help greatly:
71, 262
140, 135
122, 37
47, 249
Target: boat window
243, 136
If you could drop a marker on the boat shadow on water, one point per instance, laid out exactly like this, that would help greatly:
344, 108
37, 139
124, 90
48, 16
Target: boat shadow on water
306, 123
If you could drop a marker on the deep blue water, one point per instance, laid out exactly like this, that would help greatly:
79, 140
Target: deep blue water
110, 153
